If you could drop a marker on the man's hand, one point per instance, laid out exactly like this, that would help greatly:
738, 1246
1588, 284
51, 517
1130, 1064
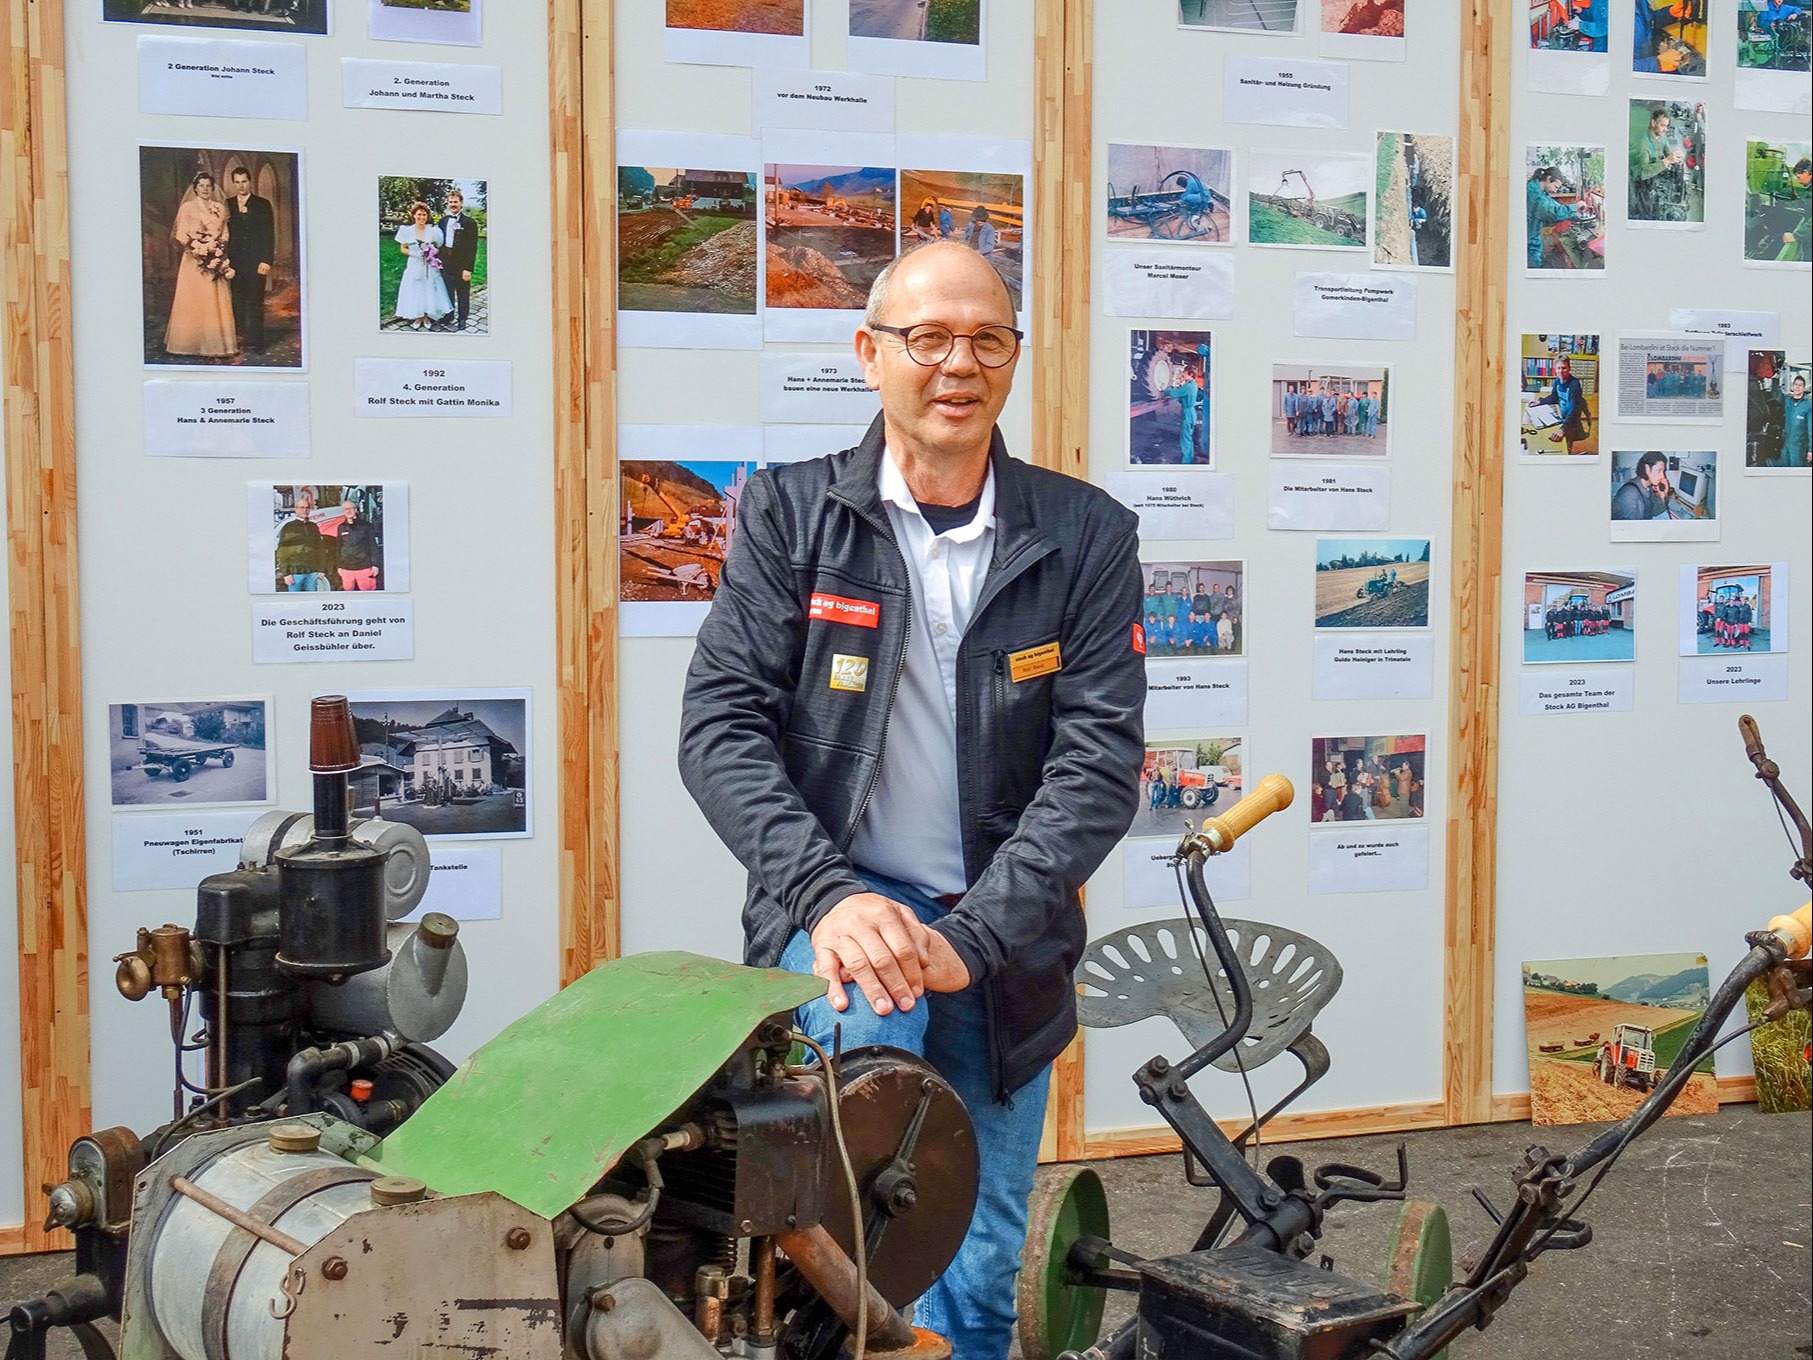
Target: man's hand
264, 271
465, 276
876, 943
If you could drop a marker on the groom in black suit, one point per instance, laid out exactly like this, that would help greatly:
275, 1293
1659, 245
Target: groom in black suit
459, 254
251, 242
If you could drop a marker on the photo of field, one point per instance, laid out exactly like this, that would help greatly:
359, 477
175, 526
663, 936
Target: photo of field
678, 520
985, 211
1372, 583
831, 230
740, 16
1604, 1032
686, 240
1778, 1051
1313, 200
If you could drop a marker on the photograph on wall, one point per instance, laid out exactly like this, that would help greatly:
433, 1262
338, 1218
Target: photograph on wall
1669, 379
1366, 779
1669, 38
1778, 1052
1241, 16
1413, 212
1335, 410
1170, 399
1170, 193
1667, 164
940, 39
459, 23
433, 255
1742, 608
831, 228
1372, 582
1664, 496
1194, 609
1772, 35
1558, 397
739, 33
1778, 204
1576, 617
1778, 424
1363, 30
327, 538
1604, 1032
1569, 48
985, 210
275, 17
189, 753
1186, 778
450, 762
220, 239
1564, 209
678, 490
1308, 200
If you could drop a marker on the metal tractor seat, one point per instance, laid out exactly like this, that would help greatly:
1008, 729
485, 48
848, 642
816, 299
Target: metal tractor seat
1152, 969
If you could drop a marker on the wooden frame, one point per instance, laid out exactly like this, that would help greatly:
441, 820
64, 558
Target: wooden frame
43, 615
582, 86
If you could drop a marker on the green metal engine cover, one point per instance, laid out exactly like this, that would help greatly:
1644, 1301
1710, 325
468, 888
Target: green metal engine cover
548, 1106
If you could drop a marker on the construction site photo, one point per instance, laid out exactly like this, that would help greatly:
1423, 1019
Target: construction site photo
831, 230
985, 211
678, 521
1308, 200
1413, 226
787, 17
687, 240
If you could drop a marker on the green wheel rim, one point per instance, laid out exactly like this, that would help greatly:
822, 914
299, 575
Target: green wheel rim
1056, 1316
1422, 1254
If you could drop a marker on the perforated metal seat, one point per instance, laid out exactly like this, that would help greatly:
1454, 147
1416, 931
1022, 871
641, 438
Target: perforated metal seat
1150, 969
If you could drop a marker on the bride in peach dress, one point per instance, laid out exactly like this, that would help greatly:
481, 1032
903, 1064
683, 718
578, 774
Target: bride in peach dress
201, 313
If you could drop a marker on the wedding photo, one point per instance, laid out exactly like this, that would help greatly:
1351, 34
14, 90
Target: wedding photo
221, 245
430, 21
432, 255
266, 16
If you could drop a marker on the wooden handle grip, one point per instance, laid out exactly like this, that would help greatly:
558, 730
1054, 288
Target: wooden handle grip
1273, 794
1796, 931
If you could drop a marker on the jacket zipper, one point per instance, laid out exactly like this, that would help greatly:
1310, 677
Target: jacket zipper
1000, 714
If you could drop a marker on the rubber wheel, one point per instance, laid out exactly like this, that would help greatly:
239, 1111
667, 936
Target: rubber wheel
226, 760
1421, 1266
180, 771
1190, 798
1056, 1316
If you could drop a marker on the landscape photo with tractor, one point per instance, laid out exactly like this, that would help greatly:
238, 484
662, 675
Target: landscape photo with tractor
1603, 1032
677, 523
1372, 582
1186, 778
687, 239
1312, 200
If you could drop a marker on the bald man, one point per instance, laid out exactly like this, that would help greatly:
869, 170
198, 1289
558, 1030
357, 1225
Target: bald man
914, 714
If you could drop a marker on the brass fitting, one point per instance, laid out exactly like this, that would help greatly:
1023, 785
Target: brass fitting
166, 958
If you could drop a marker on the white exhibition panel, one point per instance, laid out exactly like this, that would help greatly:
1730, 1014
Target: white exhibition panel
12, 1144
1645, 832
1158, 86
680, 888
165, 609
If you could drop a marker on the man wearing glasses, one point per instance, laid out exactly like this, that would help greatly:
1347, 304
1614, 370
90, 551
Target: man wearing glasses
914, 714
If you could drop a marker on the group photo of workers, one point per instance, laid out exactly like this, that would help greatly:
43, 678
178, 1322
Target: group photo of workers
1729, 608
1194, 608
1331, 411
1186, 777
1579, 616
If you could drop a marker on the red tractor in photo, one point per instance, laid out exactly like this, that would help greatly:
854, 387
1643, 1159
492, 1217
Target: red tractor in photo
1630, 1058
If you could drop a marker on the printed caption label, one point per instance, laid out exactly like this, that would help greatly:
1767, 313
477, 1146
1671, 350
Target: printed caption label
176, 849
1307, 495
226, 419
1363, 857
319, 626
1191, 694
1374, 666
424, 86
222, 78
1723, 680
1551, 692
470, 388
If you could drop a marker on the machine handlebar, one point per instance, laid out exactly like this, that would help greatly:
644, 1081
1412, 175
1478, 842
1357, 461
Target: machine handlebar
1217, 835
1794, 931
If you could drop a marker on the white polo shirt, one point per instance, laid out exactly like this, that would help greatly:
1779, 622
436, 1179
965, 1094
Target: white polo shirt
913, 829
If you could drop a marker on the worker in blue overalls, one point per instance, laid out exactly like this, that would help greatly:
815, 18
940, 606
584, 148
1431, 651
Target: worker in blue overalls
1541, 209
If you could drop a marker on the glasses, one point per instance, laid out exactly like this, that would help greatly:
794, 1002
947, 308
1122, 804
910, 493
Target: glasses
930, 344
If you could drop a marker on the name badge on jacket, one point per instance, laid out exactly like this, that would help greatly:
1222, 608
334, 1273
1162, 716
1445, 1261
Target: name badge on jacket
1035, 661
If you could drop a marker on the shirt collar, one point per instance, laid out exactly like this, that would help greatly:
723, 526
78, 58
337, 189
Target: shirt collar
894, 491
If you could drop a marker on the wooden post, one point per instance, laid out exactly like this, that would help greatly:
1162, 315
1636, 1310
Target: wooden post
1063, 39
1482, 213
582, 126
43, 617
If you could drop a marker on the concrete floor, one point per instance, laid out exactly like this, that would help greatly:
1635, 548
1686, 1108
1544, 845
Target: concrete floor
1700, 1252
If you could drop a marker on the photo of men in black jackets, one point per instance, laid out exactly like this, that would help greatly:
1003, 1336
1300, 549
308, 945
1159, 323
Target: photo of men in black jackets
329, 538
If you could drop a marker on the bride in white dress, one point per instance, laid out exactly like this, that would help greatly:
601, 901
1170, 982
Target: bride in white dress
422, 296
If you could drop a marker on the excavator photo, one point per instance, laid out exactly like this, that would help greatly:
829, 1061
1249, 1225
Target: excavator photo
1328, 219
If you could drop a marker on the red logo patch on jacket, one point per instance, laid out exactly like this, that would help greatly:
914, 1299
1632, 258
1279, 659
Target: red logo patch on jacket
1139, 639
862, 613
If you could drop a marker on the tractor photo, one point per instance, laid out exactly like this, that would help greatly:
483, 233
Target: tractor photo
1630, 1058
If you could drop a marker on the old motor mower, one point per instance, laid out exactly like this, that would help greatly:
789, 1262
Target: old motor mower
1243, 993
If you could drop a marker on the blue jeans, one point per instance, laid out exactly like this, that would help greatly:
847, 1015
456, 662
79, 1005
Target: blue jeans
972, 1304
308, 580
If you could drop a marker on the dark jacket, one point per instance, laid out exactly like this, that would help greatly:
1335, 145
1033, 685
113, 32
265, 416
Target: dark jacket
251, 235
1048, 766
357, 545
299, 548
463, 253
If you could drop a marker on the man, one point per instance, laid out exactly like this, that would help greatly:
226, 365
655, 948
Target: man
459, 257
1541, 209
887, 615
1593, 19
1568, 398
1657, 192
299, 547
1797, 425
1645, 495
251, 244
1188, 397
357, 562
980, 235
